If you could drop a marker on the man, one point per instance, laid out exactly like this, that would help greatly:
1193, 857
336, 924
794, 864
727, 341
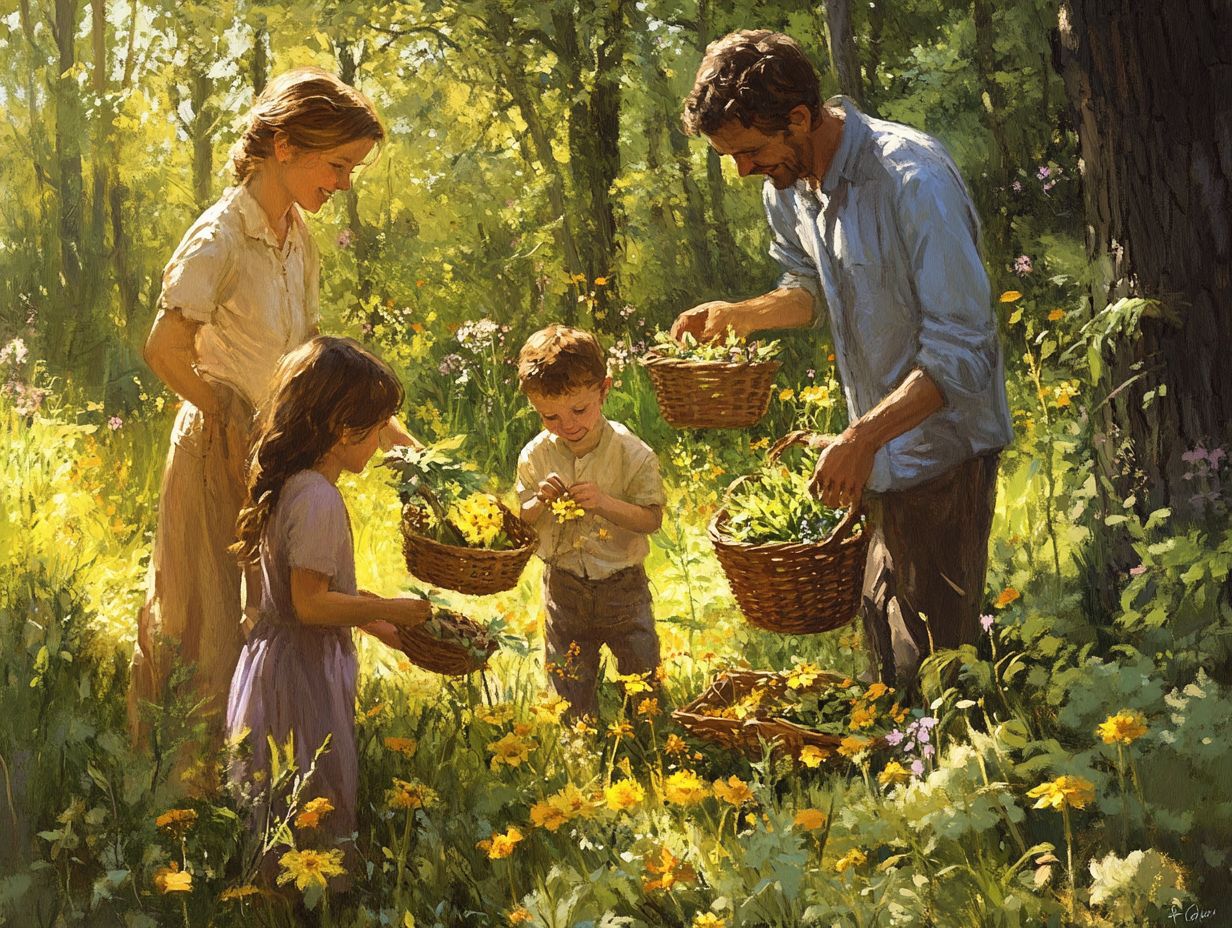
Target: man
872, 219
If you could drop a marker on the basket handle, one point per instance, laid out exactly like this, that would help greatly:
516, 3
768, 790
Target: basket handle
843, 529
804, 437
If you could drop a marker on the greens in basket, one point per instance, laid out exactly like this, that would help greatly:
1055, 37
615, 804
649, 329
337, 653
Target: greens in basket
733, 348
775, 505
445, 497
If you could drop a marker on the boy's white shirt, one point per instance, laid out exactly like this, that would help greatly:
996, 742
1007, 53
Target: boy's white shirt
624, 467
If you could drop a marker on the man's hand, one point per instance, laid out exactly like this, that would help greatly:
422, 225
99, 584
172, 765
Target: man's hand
591, 498
708, 321
843, 469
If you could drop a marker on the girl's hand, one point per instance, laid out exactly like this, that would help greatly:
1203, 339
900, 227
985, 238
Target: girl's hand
591, 498
407, 611
384, 632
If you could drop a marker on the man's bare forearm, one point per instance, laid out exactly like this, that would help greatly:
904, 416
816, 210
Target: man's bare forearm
913, 401
784, 308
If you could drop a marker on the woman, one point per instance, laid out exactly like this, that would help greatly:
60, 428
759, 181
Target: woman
240, 291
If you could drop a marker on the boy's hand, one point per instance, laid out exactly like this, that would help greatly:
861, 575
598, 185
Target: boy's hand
590, 498
551, 488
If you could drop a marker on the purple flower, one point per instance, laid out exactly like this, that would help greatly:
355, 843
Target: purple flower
917, 767
1044, 172
810, 373
927, 751
923, 736
1022, 265
15, 352
1194, 455
928, 721
987, 622
894, 738
345, 237
1016, 186
1137, 571
1048, 185
115, 423
1215, 455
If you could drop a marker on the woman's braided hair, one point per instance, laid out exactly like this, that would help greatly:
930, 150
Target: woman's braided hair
755, 76
321, 389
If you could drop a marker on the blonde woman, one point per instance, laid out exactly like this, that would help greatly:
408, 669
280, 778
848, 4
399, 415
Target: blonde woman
240, 291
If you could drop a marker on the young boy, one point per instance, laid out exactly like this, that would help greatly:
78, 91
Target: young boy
595, 586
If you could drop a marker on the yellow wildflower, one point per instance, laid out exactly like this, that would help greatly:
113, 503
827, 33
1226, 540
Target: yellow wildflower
498, 714
479, 518
877, 690
850, 747
734, 791
862, 716
550, 709
1011, 296
510, 750
571, 801
623, 795
634, 683
410, 795
853, 858
621, 729
812, 756
1064, 791
786, 394
404, 746
313, 812
1007, 596
708, 920
1056, 314
648, 707
1126, 727
810, 819
544, 814
893, 774
177, 821
675, 745
802, 676
565, 510
310, 868
684, 788
172, 879
816, 394
520, 916
668, 870
502, 845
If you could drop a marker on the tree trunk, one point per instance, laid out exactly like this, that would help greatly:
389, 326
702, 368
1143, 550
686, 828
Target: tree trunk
201, 88
258, 62
68, 164
728, 255
872, 62
992, 112
363, 237
843, 57
1149, 84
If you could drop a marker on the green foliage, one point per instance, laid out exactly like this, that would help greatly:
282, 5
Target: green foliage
733, 348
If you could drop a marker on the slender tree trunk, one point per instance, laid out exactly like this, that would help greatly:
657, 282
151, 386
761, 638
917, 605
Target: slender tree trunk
842, 42
205, 116
727, 255
872, 61
258, 61
1149, 84
69, 180
992, 113
364, 243
96, 257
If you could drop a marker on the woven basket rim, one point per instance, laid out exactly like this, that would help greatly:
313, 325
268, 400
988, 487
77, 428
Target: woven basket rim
532, 538
650, 359
714, 531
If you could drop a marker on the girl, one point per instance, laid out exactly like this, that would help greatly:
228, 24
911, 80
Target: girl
296, 673
239, 292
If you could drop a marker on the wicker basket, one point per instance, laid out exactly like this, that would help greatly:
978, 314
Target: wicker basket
464, 647
797, 588
747, 736
711, 394
477, 571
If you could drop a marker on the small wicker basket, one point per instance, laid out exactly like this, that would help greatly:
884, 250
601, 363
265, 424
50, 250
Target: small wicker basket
476, 571
711, 394
797, 588
455, 647
747, 736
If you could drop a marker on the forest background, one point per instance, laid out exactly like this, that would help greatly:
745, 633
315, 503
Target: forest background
536, 171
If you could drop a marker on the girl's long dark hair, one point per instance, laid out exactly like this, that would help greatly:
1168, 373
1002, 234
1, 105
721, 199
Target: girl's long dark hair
322, 388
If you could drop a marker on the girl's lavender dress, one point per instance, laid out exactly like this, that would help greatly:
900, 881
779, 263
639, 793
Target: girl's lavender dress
299, 680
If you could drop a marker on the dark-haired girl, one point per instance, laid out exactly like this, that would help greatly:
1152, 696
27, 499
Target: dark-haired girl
295, 678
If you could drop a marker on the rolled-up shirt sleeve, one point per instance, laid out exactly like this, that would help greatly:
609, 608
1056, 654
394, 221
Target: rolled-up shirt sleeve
799, 271
958, 346
195, 276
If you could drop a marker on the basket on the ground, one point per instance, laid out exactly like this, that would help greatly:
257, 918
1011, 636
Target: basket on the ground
797, 588
448, 643
747, 736
477, 571
711, 394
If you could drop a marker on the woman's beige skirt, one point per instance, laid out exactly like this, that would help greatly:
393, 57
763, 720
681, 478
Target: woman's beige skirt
193, 617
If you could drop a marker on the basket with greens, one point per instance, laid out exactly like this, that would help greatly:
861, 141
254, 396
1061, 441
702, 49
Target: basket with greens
722, 384
448, 643
456, 535
794, 565
808, 713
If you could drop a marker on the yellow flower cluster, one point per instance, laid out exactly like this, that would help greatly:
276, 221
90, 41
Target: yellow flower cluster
684, 788
511, 750
1125, 727
312, 813
177, 821
810, 819
816, 394
410, 795
404, 746
853, 858
172, 879
561, 807
893, 774
497, 714
479, 518
500, 846
667, 870
566, 510
734, 791
813, 756
623, 795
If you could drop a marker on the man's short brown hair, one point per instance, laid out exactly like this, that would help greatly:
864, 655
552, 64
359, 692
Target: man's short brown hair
753, 75
558, 359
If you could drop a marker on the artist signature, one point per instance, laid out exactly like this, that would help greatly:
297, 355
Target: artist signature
1190, 914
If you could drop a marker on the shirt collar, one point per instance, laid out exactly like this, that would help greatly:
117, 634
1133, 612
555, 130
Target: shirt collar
256, 224
855, 131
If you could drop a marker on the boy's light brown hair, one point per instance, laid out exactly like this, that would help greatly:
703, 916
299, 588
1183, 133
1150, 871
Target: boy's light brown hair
558, 359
